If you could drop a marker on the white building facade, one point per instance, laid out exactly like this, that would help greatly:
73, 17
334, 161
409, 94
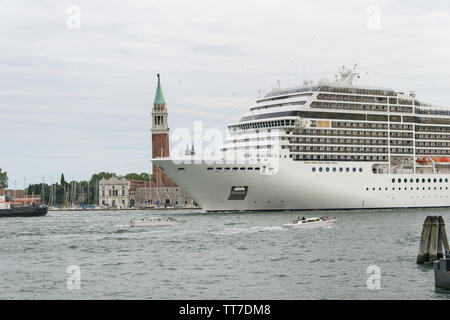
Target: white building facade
114, 192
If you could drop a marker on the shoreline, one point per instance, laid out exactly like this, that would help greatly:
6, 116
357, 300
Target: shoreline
124, 209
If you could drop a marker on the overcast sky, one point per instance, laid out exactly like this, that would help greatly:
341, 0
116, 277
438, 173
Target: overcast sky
78, 101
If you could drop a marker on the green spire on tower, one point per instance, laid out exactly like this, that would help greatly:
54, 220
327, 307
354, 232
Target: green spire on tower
159, 97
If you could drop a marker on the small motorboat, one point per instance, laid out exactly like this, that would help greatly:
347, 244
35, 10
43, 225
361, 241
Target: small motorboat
310, 222
154, 222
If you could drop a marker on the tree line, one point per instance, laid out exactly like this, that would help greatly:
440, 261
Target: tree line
73, 192
3, 179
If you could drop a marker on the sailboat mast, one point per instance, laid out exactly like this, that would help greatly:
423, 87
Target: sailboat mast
25, 190
42, 192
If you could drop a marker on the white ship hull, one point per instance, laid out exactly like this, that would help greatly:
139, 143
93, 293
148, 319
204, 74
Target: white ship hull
326, 145
296, 187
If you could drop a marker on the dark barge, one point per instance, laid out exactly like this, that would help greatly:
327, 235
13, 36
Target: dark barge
23, 212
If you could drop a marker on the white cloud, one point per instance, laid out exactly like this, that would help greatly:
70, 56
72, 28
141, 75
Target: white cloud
84, 96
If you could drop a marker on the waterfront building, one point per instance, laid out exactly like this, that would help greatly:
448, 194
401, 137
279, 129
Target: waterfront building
20, 198
135, 195
122, 193
170, 196
114, 192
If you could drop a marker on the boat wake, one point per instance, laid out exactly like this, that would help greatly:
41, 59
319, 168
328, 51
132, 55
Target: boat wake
122, 226
250, 230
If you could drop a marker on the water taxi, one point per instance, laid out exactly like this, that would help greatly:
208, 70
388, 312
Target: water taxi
154, 222
310, 222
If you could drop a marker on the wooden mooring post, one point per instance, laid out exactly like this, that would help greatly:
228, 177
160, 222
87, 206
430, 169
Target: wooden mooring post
433, 240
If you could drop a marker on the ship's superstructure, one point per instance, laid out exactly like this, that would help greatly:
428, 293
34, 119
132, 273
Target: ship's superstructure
326, 145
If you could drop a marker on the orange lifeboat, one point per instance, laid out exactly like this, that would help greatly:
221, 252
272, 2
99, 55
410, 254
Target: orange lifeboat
441, 159
423, 161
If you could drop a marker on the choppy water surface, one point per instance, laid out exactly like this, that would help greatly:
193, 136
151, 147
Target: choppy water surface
215, 256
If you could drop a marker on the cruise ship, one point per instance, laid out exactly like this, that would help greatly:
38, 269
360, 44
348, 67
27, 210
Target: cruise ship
325, 145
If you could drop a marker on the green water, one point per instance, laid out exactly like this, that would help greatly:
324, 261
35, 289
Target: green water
215, 256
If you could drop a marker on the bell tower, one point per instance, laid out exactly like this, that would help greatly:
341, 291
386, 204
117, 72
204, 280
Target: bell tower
159, 118
160, 137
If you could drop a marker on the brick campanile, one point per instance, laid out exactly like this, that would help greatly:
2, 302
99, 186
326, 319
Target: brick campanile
160, 138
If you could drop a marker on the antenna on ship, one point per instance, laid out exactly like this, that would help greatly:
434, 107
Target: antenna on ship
346, 76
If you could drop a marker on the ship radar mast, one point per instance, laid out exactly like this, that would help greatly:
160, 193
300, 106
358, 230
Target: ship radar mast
346, 76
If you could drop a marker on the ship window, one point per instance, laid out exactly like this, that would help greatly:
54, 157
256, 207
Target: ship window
440, 180
411, 180
314, 169
242, 168
423, 180
429, 180
334, 169
399, 180
434, 180
250, 168
393, 180
340, 169
347, 169
417, 180
360, 169
327, 169
446, 180
405, 180
354, 169
320, 169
